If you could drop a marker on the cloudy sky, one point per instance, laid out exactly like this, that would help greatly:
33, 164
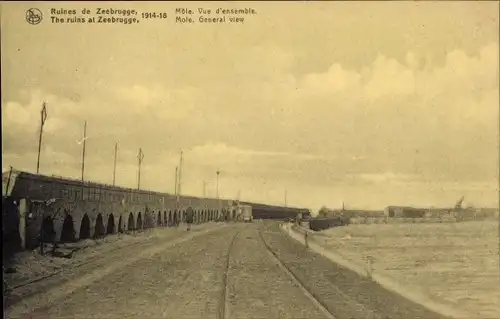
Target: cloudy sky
367, 103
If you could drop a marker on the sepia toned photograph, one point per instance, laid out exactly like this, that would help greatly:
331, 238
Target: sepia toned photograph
250, 159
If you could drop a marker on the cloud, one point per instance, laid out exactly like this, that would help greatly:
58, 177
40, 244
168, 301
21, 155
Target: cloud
163, 103
140, 96
218, 150
344, 130
336, 79
234, 161
388, 177
388, 78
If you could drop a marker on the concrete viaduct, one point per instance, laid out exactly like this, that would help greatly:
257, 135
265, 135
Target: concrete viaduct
68, 210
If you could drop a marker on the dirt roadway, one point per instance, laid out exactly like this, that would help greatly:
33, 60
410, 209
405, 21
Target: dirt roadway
258, 288
51, 271
186, 280
344, 293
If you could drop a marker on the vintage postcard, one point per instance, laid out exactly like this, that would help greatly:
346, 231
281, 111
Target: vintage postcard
250, 159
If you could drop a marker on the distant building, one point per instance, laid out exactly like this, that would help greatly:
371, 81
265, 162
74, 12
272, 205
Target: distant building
405, 212
460, 214
350, 213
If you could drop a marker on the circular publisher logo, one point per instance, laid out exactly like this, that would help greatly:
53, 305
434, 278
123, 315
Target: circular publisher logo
34, 16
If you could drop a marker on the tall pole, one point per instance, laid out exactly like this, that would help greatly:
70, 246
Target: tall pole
218, 199
285, 197
180, 176
217, 191
179, 179
140, 157
8, 182
114, 165
43, 117
175, 186
83, 148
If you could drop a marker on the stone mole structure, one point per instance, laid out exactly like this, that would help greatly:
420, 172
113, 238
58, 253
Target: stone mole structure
66, 210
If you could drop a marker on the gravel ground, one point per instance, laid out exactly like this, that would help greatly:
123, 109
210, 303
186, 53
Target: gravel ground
119, 265
187, 281
30, 265
181, 281
258, 288
184, 278
344, 293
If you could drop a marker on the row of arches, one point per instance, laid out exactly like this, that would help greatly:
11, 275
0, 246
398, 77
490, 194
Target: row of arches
101, 229
174, 217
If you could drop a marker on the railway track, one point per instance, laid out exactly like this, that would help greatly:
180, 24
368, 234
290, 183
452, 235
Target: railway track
225, 306
309, 294
16, 293
62, 268
223, 311
246, 256
333, 297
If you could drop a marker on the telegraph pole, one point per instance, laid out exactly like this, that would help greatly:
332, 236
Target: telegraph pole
179, 180
180, 176
217, 191
114, 166
8, 182
83, 148
43, 117
175, 186
140, 157
218, 199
